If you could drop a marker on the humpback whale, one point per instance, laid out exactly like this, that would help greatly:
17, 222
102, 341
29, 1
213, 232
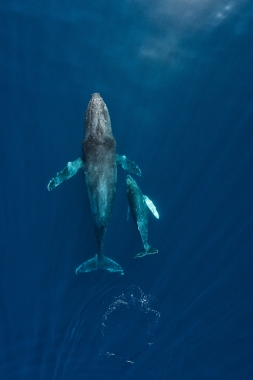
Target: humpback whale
140, 206
100, 170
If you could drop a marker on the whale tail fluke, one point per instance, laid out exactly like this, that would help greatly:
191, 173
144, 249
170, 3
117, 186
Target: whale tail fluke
109, 264
149, 251
99, 263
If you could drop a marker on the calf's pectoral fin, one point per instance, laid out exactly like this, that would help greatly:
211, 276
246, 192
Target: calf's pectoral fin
128, 165
151, 206
68, 172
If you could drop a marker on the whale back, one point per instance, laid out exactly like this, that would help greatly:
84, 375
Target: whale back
100, 166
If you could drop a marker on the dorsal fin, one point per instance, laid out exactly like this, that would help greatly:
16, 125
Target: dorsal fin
151, 206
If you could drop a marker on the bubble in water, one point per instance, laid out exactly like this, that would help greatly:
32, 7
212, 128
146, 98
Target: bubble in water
128, 325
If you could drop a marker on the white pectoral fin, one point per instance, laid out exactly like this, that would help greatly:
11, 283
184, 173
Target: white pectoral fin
151, 206
128, 165
69, 171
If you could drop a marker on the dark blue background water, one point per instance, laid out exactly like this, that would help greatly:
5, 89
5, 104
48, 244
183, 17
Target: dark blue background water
177, 78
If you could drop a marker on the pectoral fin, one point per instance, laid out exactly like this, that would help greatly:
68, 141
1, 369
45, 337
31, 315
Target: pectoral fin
69, 171
151, 206
128, 165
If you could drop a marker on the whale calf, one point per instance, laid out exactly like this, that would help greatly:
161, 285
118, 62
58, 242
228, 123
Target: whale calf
100, 171
141, 206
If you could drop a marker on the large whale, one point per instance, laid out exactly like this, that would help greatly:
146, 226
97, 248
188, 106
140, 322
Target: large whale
100, 169
141, 206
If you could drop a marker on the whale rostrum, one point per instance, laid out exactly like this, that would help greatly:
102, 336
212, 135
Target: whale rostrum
141, 206
100, 171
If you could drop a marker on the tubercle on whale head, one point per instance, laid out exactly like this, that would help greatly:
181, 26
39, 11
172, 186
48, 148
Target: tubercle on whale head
97, 120
130, 181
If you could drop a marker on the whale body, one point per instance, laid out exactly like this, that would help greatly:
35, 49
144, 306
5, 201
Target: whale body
100, 169
141, 206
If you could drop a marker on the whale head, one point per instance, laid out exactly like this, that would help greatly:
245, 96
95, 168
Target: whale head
130, 182
97, 120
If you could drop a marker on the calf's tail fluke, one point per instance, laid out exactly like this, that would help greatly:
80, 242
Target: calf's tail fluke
149, 251
102, 262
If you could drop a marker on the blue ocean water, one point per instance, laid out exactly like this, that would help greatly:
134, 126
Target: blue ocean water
178, 82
